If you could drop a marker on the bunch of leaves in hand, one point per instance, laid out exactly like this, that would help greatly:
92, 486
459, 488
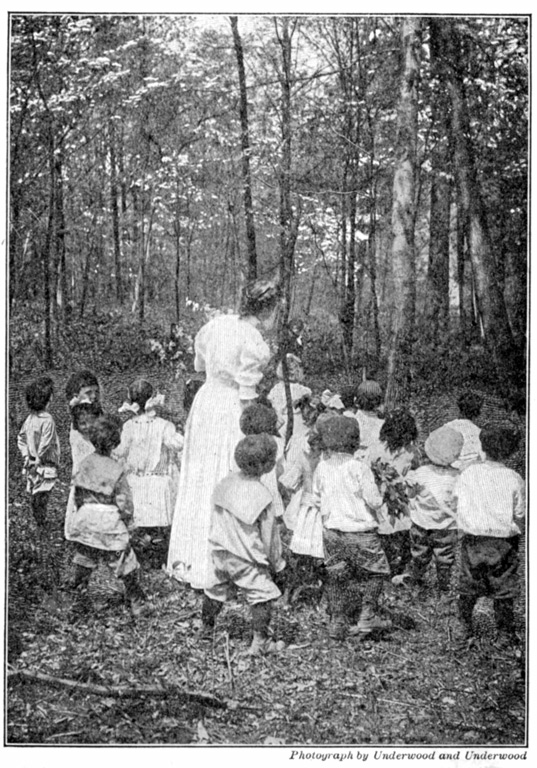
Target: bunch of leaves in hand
396, 491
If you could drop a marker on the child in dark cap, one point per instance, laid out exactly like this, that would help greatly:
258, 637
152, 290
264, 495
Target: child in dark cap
491, 508
345, 491
244, 541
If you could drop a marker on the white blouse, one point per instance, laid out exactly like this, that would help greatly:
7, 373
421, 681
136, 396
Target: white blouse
232, 351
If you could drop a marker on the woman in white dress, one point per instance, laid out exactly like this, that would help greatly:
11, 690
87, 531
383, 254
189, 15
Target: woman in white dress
233, 354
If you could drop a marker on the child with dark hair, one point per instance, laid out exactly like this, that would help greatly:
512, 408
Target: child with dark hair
368, 401
432, 510
345, 492
83, 416
99, 525
82, 386
244, 541
260, 419
469, 404
348, 398
391, 457
39, 446
491, 512
150, 448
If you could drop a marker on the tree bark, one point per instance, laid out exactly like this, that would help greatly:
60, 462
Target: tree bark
114, 208
508, 358
245, 153
288, 220
403, 219
437, 303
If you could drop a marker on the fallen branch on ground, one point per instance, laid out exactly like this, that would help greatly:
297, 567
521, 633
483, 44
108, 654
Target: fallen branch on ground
120, 691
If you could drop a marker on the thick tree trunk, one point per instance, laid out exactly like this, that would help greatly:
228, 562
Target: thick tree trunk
508, 359
437, 302
403, 219
245, 150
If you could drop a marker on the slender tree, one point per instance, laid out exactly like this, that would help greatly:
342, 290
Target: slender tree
245, 153
403, 217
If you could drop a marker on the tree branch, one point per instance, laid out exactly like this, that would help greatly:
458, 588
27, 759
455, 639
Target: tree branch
120, 691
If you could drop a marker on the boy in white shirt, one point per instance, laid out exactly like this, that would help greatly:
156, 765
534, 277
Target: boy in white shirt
491, 507
345, 491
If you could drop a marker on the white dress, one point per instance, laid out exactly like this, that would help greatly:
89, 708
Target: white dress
149, 447
80, 449
233, 354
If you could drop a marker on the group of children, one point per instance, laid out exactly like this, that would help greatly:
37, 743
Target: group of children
123, 477
349, 498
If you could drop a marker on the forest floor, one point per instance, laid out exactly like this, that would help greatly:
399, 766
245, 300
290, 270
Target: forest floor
412, 686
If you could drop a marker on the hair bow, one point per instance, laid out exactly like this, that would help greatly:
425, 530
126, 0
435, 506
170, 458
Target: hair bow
129, 408
154, 401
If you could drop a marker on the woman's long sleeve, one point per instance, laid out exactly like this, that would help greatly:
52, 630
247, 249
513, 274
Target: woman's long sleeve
254, 356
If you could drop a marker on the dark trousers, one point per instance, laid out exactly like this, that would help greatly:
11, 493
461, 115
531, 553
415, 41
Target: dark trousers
39, 503
397, 548
427, 543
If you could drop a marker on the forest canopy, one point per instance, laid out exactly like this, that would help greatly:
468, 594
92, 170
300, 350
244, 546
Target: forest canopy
158, 161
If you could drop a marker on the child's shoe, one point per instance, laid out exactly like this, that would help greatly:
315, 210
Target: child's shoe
337, 629
262, 645
205, 633
134, 595
401, 580
505, 641
368, 622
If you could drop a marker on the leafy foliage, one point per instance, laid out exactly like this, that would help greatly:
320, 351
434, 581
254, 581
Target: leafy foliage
397, 491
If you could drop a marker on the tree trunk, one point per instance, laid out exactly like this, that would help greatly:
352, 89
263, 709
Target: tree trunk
288, 220
508, 359
177, 269
115, 212
245, 154
461, 252
59, 240
46, 257
403, 219
437, 301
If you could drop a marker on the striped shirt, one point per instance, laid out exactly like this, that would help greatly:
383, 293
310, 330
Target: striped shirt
491, 500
